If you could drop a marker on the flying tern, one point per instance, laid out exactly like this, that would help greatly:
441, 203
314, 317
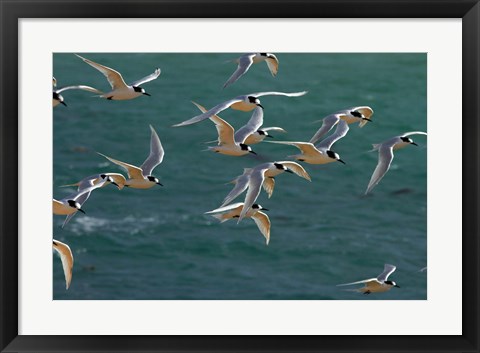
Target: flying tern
110, 178
67, 260
352, 115
385, 155
120, 90
250, 133
58, 98
141, 177
73, 203
244, 103
246, 60
226, 213
262, 175
320, 153
376, 285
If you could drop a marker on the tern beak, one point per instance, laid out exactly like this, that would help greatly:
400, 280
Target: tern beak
265, 209
413, 143
397, 286
147, 94
288, 171
255, 153
270, 136
65, 104
114, 183
367, 119
259, 105
341, 161
79, 209
159, 184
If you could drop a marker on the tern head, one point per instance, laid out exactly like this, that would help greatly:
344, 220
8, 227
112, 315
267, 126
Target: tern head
335, 156
110, 179
140, 90
254, 100
59, 97
268, 55
357, 114
76, 205
391, 283
256, 206
407, 140
264, 133
245, 147
282, 167
154, 180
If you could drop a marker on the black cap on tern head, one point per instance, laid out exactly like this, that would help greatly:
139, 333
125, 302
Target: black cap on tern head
140, 90
154, 180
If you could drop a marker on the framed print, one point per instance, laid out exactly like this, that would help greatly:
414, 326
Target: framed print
346, 249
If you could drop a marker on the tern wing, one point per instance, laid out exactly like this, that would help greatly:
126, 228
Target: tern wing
241, 184
254, 186
385, 157
387, 271
268, 186
156, 154
273, 128
244, 63
148, 78
226, 133
305, 147
81, 87
253, 125
67, 260
272, 63
297, 169
340, 131
293, 94
358, 282
226, 208
263, 224
114, 77
328, 123
414, 133
366, 111
215, 110
132, 171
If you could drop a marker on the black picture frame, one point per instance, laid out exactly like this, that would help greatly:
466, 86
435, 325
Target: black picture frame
12, 11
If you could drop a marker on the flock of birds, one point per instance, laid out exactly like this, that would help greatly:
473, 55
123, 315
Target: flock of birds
317, 150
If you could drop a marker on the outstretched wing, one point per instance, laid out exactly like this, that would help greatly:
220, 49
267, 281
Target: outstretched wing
215, 110
292, 94
253, 125
340, 131
156, 154
297, 169
414, 133
148, 78
241, 184
244, 63
114, 77
385, 157
132, 171
387, 271
358, 282
272, 63
263, 224
225, 208
254, 186
328, 123
67, 260
81, 87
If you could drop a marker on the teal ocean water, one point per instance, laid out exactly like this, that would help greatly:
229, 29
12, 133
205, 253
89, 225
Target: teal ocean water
157, 243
